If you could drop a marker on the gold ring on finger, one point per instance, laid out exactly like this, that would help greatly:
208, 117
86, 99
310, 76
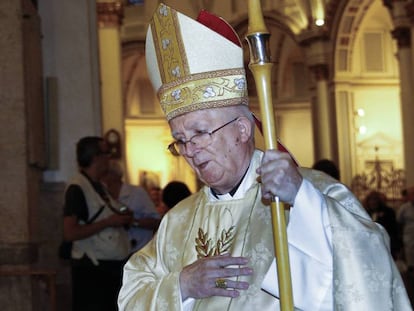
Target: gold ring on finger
221, 283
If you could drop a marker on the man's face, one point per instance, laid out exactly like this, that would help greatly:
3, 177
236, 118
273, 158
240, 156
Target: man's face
222, 163
102, 159
410, 194
113, 183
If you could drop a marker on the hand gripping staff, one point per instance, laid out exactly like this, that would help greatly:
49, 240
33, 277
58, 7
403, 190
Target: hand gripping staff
261, 67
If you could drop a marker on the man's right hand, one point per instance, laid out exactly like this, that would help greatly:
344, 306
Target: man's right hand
118, 220
199, 279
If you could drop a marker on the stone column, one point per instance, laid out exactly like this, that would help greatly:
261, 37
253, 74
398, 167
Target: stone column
21, 142
110, 15
404, 36
315, 42
323, 116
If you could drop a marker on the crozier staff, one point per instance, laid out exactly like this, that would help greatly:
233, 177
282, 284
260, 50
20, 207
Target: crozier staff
261, 67
214, 250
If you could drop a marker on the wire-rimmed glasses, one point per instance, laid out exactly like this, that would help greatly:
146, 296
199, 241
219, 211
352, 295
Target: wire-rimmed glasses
200, 140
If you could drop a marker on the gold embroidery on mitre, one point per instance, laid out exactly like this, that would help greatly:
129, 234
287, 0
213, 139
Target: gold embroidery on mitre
204, 90
171, 56
205, 246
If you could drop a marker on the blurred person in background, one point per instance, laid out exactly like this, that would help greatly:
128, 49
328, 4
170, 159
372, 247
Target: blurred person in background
327, 166
174, 192
135, 198
95, 222
376, 206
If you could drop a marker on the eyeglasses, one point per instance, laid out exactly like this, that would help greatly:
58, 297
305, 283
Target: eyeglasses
201, 140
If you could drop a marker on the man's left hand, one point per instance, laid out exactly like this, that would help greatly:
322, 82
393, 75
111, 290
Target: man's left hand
279, 176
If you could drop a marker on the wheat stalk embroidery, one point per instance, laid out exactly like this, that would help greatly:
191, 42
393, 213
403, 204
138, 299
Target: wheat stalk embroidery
205, 246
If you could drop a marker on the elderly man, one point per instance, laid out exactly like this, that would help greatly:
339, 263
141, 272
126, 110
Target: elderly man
214, 250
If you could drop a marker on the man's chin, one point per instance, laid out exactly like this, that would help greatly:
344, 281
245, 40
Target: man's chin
208, 182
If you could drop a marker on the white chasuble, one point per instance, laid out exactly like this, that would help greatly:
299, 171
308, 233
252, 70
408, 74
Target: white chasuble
198, 226
243, 225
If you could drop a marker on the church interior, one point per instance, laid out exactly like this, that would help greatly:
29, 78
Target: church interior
342, 86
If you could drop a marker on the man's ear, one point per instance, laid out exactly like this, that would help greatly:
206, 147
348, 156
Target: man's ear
245, 128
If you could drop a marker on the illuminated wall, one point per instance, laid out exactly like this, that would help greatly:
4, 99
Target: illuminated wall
146, 152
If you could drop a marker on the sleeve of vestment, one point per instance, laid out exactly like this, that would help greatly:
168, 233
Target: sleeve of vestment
358, 283
310, 252
147, 284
